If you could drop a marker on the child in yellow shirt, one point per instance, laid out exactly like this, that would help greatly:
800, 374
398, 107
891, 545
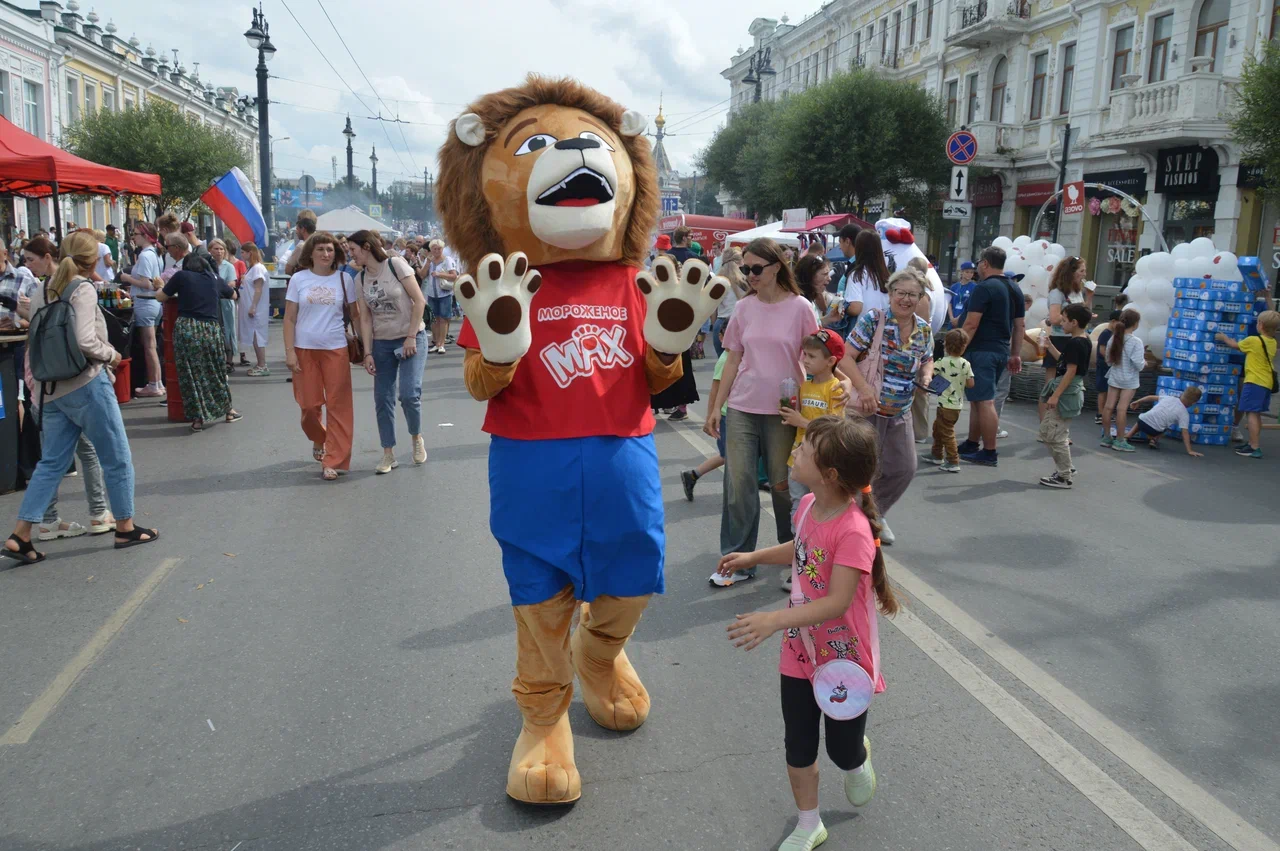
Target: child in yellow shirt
819, 355
1259, 378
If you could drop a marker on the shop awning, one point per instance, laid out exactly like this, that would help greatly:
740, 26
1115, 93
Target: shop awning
32, 168
831, 223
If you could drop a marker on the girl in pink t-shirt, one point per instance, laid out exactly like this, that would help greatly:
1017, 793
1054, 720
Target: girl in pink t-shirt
842, 580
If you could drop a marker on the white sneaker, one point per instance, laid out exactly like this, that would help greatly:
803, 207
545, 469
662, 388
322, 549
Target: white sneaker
733, 578
801, 840
1237, 436
386, 465
1001, 434
886, 534
419, 451
786, 581
860, 784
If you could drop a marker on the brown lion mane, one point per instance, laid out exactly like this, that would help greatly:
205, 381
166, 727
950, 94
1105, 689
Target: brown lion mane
460, 199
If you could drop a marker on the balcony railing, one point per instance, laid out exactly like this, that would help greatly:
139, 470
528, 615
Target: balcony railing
1197, 97
978, 24
890, 59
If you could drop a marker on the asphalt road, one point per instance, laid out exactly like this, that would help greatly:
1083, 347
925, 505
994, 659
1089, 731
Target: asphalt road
308, 665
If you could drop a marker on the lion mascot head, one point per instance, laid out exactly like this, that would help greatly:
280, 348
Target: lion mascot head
551, 168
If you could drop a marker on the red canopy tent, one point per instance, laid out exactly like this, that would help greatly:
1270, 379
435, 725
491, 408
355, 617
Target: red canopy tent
33, 168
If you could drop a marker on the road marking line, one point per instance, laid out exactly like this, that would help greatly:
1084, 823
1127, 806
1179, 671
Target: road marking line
1147, 829
44, 705
1173, 784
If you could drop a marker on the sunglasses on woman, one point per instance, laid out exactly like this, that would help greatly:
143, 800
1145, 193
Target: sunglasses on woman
758, 269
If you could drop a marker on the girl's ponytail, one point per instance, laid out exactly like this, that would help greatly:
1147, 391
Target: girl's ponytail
888, 603
1115, 349
79, 255
66, 271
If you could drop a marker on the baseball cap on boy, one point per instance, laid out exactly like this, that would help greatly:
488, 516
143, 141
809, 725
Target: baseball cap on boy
832, 341
966, 265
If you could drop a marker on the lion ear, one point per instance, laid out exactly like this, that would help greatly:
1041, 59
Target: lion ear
633, 123
469, 129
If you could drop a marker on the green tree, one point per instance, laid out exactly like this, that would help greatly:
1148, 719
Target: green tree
837, 146
1256, 123
707, 204
159, 139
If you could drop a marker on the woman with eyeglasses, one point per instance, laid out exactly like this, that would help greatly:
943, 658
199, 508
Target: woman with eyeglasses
763, 341
906, 351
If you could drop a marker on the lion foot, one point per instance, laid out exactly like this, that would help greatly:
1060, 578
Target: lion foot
542, 769
611, 689
678, 305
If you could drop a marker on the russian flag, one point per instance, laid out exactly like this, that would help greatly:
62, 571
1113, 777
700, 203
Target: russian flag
231, 199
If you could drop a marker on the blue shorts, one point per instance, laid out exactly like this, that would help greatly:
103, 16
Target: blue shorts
1254, 399
147, 313
987, 369
441, 307
1148, 429
584, 511
1100, 379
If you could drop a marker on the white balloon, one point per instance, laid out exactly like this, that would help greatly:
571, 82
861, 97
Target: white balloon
1182, 268
1161, 265
1136, 289
1226, 267
1160, 291
1201, 267
1034, 254
1202, 246
1015, 265
1038, 312
1143, 266
1183, 251
1036, 281
1155, 337
1003, 242
1021, 241
1155, 314
1056, 248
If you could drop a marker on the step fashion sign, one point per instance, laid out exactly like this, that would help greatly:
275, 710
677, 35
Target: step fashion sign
1187, 171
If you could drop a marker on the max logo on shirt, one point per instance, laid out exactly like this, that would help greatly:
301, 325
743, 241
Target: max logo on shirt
590, 347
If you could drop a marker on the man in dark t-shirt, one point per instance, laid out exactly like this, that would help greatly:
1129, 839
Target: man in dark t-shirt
994, 321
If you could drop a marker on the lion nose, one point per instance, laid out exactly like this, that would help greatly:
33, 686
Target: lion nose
577, 145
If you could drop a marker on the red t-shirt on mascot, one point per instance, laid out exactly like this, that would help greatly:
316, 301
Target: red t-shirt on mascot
584, 374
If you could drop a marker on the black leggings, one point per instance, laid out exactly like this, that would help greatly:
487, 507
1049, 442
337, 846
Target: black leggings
800, 715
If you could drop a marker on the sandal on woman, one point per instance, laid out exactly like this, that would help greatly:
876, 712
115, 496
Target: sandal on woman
244, 361
317, 452
197, 425
26, 552
102, 525
329, 474
133, 537
235, 417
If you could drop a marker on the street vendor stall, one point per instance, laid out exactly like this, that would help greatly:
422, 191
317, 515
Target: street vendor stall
708, 231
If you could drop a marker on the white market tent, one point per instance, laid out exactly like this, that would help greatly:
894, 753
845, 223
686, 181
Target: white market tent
350, 219
772, 231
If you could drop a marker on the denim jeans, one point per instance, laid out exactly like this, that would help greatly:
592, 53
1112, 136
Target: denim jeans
91, 410
95, 489
749, 438
409, 371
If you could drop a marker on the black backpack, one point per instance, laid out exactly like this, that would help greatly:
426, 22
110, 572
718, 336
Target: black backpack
53, 351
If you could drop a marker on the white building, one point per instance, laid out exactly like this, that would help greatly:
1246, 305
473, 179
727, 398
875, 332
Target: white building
73, 65
1145, 85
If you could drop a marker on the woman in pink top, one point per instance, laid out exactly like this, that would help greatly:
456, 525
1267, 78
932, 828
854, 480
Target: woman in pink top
763, 341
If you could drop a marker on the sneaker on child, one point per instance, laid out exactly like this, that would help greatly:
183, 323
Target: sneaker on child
1057, 480
860, 783
733, 578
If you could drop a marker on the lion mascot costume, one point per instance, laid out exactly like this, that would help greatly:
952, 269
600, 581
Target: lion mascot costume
548, 193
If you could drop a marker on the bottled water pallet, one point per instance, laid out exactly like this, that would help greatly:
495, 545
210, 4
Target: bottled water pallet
1232, 328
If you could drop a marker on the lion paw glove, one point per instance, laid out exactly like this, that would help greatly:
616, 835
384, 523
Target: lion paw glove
496, 302
678, 304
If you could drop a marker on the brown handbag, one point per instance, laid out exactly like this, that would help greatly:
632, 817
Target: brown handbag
355, 346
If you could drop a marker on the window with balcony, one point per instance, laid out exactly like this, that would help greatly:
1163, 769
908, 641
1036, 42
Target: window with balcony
911, 24
1275, 19
857, 48
971, 108
1210, 38
999, 82
928, 19
1068, 79
1039, 78
1121, 55
953, 94
884, 35
897, 32
1161, 31
32, 111
73, 99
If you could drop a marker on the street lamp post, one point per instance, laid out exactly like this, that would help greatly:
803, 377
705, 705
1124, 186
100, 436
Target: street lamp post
272, 164
259, 39
760, 67
351, 177
373, 160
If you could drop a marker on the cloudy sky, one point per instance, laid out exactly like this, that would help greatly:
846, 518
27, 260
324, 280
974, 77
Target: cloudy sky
427, 60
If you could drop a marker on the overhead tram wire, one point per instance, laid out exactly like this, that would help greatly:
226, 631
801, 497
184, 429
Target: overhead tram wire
372, 88
343, 80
